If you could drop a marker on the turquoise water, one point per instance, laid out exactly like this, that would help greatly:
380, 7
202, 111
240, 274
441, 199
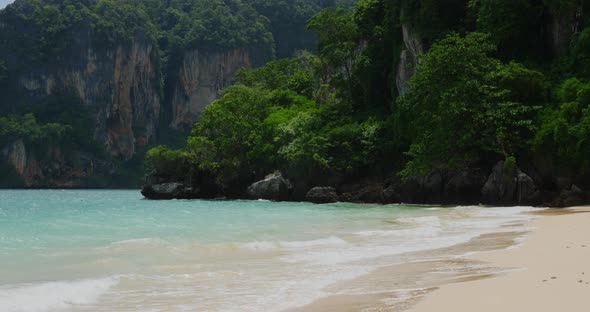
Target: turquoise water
115, 251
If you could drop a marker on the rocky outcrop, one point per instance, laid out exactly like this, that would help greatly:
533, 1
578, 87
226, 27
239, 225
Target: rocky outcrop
322, 195
411, 49
200, 77
566, 19
417, 190
501, 185
362, 192
118, 84
570, 197
464, 187
527, 191
507, 185
164, 191
52, 169
16, 155
273, 187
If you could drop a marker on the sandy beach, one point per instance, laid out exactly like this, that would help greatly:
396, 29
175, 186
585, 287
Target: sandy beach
551, 272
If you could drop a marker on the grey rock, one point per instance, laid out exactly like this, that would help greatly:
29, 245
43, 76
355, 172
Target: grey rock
572, 197
464, 187
526, 191
163, 191
322, 195
391, 194
500, 187
422, 190
273, 187
363, 192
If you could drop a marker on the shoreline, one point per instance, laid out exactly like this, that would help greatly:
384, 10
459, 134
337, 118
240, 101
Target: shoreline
549, 271
400, 286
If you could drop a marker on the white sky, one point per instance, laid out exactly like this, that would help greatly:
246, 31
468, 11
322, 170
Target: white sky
3, 3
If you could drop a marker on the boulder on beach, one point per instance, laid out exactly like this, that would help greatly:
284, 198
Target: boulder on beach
163, 190
322, 195
274, 187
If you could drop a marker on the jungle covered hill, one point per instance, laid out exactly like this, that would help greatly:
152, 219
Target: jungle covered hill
459, 102
88, 86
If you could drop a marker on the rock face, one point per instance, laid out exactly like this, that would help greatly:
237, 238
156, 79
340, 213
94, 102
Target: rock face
362, 192
16, 155
116, 83
412, 48
120, 87
506, 186
163, 191
526, 189
464, 187
417, 190
322, 195
200, 77
573, 196
273, 187
55, 170
500, 186
564, 23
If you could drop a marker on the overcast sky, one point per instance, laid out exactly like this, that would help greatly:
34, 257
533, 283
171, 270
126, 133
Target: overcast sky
3, 3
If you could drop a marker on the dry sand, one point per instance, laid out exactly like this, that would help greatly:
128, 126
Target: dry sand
552, 272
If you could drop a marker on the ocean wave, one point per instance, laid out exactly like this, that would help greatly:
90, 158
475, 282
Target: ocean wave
331, 241
420, 227
53, 296
139, 241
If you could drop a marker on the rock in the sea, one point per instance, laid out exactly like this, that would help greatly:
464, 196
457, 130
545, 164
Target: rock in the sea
363, 192
322, 195
163, 191
273, 187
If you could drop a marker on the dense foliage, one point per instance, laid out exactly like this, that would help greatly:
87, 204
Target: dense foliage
38, 36
497, 82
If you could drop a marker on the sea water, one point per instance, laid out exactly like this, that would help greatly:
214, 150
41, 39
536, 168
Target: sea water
115, 251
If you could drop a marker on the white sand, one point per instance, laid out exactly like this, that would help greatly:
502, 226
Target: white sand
553, 273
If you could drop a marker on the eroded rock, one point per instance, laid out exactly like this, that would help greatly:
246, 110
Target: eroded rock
322, 195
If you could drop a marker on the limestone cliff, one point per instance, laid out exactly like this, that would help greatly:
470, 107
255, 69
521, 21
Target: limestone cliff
118, 84
563, 23
411, 49
52, 169
200, 77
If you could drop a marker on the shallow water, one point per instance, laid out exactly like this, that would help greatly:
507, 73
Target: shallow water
114, 251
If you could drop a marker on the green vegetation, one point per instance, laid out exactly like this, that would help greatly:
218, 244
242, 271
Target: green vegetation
492, 86
498, 80
14, 127
464, 103
39, 36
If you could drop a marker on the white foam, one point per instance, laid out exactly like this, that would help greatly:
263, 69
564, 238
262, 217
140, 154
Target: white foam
421, 227
259, 245
140, 241
53, 295
433, 220
331, 241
